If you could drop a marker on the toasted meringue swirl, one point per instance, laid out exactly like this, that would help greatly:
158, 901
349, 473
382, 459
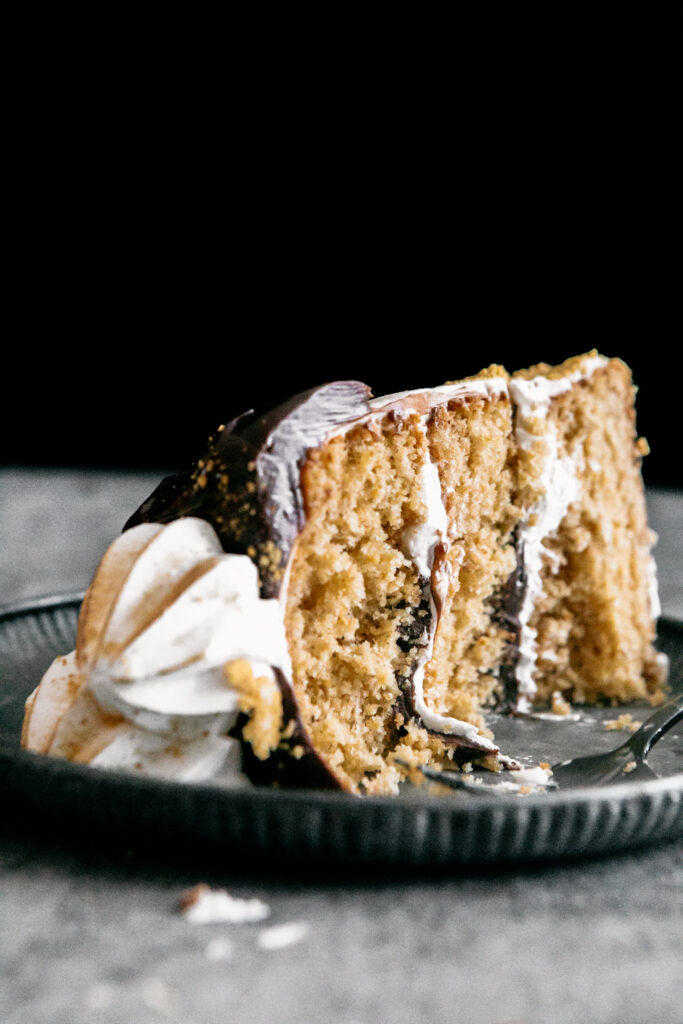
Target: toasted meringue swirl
145, 688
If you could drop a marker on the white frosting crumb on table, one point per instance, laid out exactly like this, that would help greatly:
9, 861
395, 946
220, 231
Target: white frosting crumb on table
281, 935
203, 905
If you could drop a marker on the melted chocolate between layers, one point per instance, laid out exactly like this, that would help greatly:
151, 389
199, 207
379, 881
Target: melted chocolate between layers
412, 639
506, 615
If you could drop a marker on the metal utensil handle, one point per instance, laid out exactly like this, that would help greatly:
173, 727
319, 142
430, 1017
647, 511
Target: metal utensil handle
655, 726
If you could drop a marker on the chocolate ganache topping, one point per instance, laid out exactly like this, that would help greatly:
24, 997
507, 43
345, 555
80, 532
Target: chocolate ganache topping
247, 485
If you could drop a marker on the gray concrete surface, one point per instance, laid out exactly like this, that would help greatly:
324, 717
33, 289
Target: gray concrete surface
91, 934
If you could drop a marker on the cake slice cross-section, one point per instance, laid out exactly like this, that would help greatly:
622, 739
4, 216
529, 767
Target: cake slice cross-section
408, 562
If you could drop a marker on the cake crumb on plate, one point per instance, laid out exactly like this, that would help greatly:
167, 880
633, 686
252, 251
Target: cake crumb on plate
625, 721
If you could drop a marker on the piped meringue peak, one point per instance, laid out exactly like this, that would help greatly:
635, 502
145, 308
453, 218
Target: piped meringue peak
165, 617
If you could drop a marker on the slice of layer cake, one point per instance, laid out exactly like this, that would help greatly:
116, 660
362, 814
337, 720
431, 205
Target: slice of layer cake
416, 559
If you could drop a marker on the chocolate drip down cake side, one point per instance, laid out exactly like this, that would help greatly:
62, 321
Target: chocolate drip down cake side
339, 588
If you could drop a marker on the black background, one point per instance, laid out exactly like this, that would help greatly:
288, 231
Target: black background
197, 245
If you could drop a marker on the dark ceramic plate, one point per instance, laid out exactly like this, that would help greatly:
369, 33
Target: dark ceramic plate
415, 828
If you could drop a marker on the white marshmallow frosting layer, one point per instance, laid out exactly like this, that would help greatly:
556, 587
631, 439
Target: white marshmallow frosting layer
559, 485
419, 545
